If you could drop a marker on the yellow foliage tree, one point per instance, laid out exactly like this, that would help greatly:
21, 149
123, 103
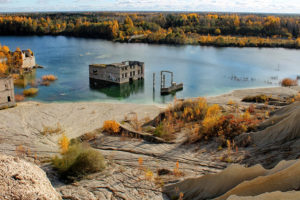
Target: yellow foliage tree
128, 21
115, 28
5, 49
3, 68
298, 42
217, 31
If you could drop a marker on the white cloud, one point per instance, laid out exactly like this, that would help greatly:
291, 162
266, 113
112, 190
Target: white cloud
212, 5
270, 6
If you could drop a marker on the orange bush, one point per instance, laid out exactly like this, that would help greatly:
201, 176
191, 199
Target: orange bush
19, 97
49, 77
111, 126
30, 92
287, 82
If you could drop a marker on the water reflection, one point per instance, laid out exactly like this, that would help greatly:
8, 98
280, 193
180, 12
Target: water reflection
26, 79
121, 91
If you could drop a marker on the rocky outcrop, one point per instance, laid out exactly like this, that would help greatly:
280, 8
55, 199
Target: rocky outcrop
23, 180
240, 181
278, 138
292, 195
282, 127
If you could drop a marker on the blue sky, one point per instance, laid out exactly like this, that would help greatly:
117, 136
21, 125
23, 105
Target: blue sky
273, 6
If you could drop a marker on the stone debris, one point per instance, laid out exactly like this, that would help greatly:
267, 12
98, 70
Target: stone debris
23, 180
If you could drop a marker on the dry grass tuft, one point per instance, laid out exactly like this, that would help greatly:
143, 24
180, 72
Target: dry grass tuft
89, 136
47, 130
19, 97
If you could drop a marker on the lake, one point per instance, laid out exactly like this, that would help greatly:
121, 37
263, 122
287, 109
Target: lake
204, 71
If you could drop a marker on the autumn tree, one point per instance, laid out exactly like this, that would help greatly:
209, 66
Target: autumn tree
217, 31
3, 68
128, 22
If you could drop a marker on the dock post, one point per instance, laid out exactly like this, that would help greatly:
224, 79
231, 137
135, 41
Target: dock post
161, 80
153, 81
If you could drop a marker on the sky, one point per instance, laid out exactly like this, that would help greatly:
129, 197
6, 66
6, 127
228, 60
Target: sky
261, 6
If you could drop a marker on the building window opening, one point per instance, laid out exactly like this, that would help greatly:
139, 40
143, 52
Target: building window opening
8, 99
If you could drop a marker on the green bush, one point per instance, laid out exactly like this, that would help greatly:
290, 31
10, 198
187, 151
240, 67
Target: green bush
79, 160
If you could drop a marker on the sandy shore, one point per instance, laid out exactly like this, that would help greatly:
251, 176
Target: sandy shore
237, 95
23, 124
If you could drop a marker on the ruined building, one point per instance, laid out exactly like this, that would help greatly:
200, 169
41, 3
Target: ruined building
28, 59
20, 61
116, 73
7, 95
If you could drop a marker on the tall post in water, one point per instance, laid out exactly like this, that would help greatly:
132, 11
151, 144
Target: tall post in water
153, 81
153, 87
161, 80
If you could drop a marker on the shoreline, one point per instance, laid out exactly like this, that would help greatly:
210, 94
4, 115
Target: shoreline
27, 120
236, 93
269, 46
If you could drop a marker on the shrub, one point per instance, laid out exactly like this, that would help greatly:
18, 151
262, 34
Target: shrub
160, 131
229, 126
111, 126
47, 130
49, 77
30, 92
189, 110
19, 97
287, 82
79, 160
258, 98
89, 136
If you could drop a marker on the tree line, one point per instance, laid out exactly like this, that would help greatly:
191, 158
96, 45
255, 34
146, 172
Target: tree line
171, 28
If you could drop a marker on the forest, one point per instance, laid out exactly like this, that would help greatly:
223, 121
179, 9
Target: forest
215, 29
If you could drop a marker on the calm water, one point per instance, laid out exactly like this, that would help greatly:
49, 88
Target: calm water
203, 70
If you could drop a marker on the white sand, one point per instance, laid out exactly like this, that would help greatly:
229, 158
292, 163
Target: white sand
23, 124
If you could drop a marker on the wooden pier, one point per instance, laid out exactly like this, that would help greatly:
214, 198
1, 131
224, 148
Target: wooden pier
172, 88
